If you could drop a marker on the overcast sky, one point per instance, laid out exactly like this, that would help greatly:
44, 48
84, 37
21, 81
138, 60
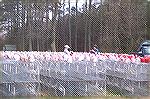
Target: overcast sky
73, 4
81, 2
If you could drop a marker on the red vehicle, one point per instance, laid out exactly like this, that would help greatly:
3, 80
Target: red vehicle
144, 51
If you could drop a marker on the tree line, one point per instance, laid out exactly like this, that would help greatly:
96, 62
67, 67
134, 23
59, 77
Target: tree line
47, 25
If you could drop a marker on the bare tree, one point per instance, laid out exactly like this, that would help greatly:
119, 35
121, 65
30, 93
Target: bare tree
86, 26
54, 24
76, 32
29, 26
89, 25
69, 24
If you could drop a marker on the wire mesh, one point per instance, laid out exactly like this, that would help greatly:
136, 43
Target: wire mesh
78, 78
116, 26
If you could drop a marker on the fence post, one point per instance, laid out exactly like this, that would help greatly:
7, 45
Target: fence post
14, 90
105, 79
38, 69
148, 73
86, 70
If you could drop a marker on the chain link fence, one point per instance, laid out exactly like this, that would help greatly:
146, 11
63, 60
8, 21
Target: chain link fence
53, 76
117, 26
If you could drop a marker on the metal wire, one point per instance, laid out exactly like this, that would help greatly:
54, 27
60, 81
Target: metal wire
116, 26
79, 78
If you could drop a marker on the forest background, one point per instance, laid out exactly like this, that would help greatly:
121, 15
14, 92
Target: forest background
47, 25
